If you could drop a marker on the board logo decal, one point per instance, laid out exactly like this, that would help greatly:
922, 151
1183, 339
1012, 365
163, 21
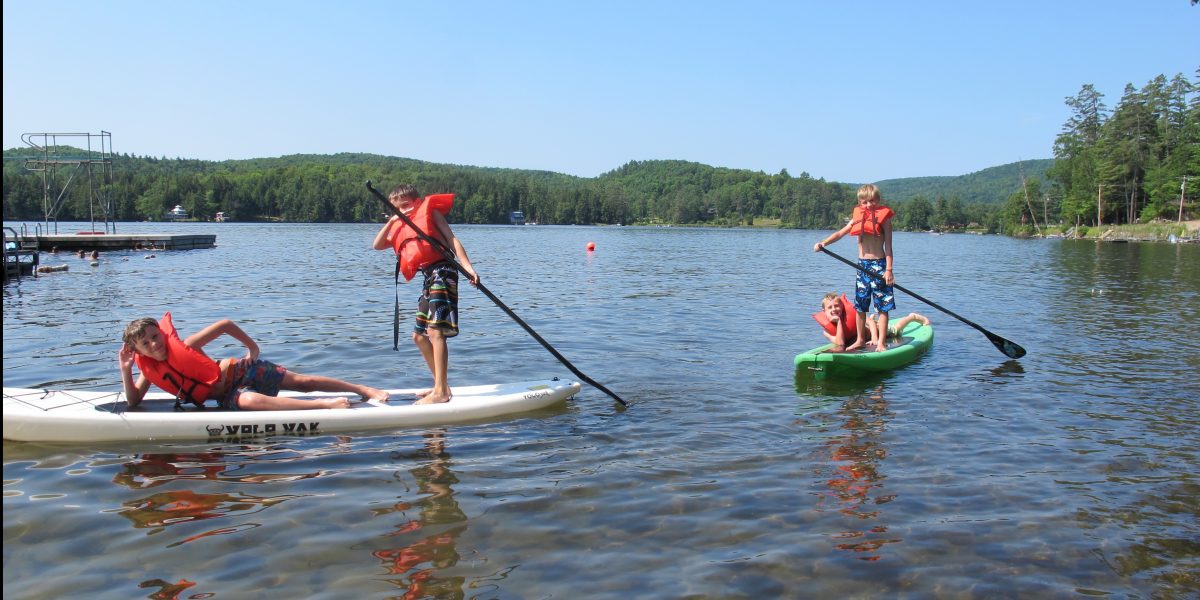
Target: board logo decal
215, 431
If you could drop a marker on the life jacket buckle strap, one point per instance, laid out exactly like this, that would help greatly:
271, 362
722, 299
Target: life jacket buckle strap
180, 394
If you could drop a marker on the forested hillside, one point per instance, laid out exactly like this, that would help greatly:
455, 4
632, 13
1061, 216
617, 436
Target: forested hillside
330, 188
1118, 166
988, 186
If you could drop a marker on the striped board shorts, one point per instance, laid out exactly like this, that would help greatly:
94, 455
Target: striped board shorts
438, 305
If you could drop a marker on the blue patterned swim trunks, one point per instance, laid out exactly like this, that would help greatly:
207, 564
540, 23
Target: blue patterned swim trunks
262, 376
868, 288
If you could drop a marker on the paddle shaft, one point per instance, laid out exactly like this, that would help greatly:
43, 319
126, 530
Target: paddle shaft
453, 260
1009, 348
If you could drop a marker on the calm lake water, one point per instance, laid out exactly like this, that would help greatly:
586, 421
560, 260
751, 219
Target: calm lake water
1069, 473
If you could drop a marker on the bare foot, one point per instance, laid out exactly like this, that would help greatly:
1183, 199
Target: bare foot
880, 347
433, 398
374, 394
333, 403
856, 345
422, 393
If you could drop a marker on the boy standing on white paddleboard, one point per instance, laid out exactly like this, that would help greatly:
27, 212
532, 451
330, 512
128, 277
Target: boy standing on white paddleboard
437, 308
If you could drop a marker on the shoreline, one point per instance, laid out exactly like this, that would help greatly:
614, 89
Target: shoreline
1183, 232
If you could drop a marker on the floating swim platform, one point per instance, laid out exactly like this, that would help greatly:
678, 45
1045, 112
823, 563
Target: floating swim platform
91, 240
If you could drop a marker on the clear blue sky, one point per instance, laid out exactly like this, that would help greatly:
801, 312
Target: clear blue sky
847, 91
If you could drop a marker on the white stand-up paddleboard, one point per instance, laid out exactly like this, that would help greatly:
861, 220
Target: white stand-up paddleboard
35, 415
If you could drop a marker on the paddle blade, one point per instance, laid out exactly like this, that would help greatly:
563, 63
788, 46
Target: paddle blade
1009, 349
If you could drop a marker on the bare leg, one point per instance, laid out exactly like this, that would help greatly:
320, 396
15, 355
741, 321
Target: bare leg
869, 325
426, 349
437, 357
881, 327
898, 328
257, 401
318, 383
900, 325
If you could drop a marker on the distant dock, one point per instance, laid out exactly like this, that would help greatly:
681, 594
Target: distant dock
134, 241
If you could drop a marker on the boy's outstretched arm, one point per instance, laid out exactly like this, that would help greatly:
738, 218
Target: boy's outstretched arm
837, 235
223, 327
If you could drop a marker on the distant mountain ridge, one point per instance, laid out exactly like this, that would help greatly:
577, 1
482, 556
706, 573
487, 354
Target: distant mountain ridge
991, 185
988, 186
329, 188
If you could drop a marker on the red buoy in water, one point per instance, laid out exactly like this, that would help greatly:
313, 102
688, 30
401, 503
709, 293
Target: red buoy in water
591, 246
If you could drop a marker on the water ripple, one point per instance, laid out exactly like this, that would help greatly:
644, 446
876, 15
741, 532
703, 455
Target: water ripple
967, 474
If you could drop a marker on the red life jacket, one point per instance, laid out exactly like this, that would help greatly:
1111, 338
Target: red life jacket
870, 221
414, 253
188, 372
849, 322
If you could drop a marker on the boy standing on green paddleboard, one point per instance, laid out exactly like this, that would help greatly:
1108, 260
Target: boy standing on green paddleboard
872, 223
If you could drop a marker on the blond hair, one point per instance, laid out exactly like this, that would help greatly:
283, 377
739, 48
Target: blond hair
868, 192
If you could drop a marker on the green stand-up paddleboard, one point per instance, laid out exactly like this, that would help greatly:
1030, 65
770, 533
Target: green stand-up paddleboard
913, 342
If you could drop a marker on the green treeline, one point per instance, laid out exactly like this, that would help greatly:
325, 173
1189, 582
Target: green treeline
330, 188
1127, 165
1135, 157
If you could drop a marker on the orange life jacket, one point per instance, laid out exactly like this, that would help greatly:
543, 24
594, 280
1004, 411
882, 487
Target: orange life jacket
870, 221
188, 372
414, 253
849, 322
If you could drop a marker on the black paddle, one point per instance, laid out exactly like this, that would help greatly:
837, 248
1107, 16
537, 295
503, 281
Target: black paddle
1009, 349
453, 260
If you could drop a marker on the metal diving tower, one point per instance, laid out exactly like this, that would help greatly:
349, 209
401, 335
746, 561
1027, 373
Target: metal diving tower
83, 155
